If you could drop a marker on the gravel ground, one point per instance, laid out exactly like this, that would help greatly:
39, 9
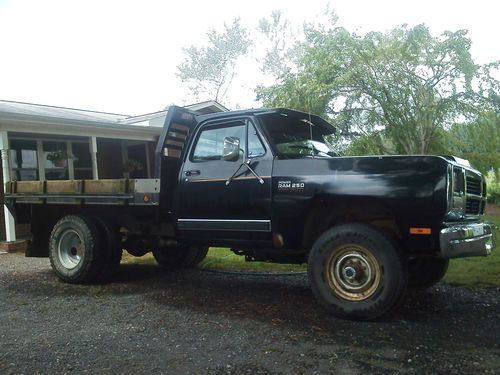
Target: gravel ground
151, 321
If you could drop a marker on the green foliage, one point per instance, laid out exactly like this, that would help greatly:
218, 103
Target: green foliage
209, 70
370, 144
278, 52
494, 194
479, 142
405, 85
59, 155
493, 188
132, 165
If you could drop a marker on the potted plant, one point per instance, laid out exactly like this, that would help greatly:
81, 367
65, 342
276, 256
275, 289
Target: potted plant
132, 165
59, 158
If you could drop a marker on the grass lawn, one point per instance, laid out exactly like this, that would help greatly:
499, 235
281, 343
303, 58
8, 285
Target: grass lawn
224, 259
479, 271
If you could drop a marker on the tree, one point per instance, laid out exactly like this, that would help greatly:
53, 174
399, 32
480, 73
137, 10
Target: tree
404, 85
209, 70
478, 142
279, 45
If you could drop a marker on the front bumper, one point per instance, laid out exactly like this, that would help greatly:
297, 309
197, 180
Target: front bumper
467, 240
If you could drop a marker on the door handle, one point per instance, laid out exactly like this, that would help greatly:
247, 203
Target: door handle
193, 172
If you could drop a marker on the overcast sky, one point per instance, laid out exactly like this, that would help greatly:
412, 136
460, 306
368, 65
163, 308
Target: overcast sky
121, 56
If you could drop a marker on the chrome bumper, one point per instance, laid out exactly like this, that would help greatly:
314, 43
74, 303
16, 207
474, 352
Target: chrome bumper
467, 240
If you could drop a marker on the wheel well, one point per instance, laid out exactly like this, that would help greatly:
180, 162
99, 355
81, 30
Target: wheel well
43, 219
323, 216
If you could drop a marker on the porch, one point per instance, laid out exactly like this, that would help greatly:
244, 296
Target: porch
39, 143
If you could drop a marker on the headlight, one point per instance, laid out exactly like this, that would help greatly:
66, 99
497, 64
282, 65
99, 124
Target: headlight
456, 193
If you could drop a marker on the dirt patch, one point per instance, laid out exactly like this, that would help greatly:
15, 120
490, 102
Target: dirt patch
493, 209
148, 320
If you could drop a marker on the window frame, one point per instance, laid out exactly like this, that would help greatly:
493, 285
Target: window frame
259, 137
13, 170
215, 124
40, 151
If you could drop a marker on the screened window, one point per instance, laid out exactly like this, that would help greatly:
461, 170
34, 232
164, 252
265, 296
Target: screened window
210, 144
23, 156
82, 162
55, 160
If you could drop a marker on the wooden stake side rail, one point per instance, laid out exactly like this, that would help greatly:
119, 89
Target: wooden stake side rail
112, 192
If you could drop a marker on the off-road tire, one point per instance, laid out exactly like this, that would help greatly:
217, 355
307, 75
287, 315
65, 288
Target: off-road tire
379, 269
75, 250
426, 272
180, 257
111, 247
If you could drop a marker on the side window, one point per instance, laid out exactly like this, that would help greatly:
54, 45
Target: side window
210, 144
255, 146
23, 154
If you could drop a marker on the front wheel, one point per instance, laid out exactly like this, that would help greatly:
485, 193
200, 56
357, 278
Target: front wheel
180, 256
355, 272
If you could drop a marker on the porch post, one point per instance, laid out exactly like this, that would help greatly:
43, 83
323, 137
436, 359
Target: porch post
10, 225
93, 155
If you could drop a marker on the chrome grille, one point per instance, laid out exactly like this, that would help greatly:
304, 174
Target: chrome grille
472, 207
474, 185
474, 190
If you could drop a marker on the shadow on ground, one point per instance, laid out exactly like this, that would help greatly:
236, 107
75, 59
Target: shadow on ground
287, 302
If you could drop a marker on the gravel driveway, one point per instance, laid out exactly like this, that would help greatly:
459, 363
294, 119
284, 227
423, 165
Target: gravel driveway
151, 321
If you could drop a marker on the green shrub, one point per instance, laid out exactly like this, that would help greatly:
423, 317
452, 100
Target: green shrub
493, 192
492, 189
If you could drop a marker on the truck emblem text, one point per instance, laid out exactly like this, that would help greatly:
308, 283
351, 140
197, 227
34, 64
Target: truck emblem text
289, 185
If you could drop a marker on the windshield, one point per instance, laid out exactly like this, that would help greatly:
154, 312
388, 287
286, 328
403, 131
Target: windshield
294, 137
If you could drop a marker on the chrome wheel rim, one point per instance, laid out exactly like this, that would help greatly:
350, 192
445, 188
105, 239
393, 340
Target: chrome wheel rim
353, 273
70, 249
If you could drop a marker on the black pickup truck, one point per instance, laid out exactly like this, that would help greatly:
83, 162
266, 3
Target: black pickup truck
266, 184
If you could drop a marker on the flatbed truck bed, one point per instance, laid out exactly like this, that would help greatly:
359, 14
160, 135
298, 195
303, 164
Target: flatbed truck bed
132, 192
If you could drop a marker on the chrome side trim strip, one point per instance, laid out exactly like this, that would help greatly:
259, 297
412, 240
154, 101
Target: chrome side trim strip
225, 225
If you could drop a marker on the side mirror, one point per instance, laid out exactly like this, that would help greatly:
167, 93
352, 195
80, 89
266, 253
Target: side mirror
231, 150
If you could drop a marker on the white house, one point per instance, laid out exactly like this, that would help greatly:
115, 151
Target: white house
41, 142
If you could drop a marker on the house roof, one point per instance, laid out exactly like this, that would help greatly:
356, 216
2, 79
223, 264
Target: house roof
36, 118
202, 108
210, 106
29, 109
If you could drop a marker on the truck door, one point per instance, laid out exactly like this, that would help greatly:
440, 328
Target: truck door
225, 196
169, 153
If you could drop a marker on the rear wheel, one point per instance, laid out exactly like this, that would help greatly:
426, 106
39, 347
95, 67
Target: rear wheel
180, 256
355, 272
425, 272
75, 249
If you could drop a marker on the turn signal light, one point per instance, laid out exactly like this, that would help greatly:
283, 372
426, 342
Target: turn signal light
414, 230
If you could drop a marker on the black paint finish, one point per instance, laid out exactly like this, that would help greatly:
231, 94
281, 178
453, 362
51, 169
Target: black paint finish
302, 196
